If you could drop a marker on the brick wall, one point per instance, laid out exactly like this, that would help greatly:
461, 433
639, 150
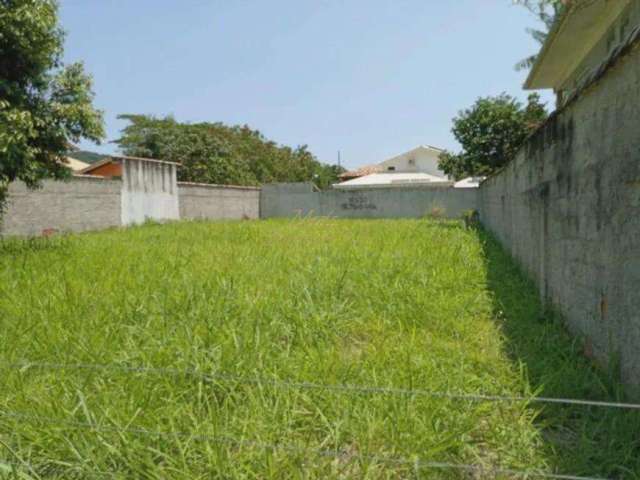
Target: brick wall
95, 203
80, 204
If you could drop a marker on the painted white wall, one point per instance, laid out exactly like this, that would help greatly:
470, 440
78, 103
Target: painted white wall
149, 191
423, 159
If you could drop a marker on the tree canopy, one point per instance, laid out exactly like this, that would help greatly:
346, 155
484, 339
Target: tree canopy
547, 12
44, 105
491, 132
222, 154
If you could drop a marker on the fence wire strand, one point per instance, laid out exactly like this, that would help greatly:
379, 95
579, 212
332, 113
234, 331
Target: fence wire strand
417, 464
344, 388
10, 467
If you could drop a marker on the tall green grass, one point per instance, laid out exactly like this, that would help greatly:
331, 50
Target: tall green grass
403, 304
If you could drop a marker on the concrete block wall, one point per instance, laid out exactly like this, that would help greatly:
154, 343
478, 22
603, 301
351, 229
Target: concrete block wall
568, 208
398, 202
213, 202
93, 203
288, 200
79, 204
301, 199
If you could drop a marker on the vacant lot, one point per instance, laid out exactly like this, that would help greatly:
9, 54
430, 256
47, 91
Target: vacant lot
201, 351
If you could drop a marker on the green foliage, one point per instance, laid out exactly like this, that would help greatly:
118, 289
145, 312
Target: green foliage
44, 105
471, 218
217, 153
547, 12
86, 156
491, 132
407, 304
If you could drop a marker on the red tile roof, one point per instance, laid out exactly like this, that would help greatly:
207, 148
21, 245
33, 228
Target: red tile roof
361, 172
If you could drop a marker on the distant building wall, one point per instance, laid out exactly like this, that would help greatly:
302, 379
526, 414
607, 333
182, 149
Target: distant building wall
568, 208
300, 199
213, 202
149, 191
76, 205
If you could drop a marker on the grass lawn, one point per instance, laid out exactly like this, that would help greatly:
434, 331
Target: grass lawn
190, 341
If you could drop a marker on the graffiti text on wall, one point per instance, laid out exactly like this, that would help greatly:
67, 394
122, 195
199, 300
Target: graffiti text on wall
357, 202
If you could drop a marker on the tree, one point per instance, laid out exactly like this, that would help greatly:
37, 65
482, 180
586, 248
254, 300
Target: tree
491, 132
222, 154
327, 175
44, 106
547, 12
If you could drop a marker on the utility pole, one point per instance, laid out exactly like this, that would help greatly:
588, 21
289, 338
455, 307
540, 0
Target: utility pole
339, 159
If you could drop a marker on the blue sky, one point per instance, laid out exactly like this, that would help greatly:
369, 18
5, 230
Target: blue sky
370, 78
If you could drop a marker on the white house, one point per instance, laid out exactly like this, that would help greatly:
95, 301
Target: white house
422, 159
415, 167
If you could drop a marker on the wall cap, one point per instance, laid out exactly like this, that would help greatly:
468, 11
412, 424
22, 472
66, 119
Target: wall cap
217, 186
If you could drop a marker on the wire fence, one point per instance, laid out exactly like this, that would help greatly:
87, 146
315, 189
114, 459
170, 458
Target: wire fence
340, 388
55, 467
415, 464
277, 383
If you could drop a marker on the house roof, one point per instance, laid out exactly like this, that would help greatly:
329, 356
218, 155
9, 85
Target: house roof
362, 171
416, 149
74, 165
579, 27
393, 180
142, 159
118, 158
96, 165
413, 151
379, 167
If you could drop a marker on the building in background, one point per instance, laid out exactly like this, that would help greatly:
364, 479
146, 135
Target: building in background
360, 172
74, 165
385, 180
415, 167
109, 167
469, 182
422, 159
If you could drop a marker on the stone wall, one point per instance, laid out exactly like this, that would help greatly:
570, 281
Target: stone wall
79, 204
568, 208
213, 202
301, 199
